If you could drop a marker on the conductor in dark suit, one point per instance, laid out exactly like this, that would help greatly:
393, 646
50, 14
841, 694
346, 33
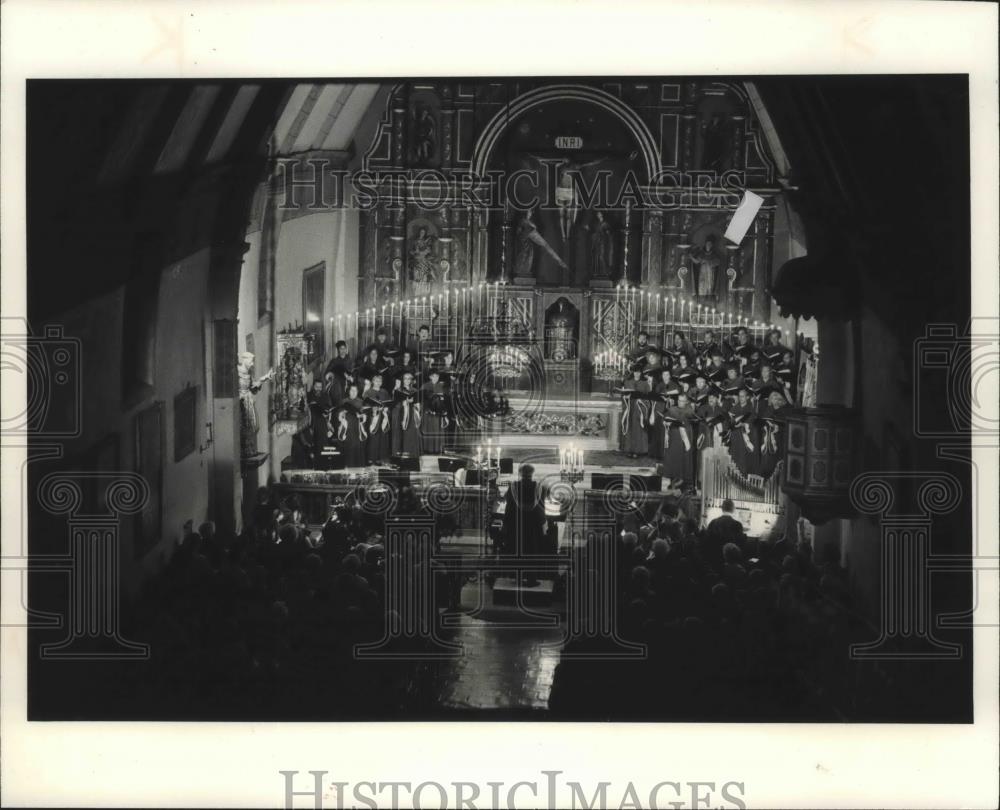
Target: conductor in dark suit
524, 517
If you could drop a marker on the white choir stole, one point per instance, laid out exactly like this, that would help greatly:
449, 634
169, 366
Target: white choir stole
361, 427
746, 438
686, 439
342, 427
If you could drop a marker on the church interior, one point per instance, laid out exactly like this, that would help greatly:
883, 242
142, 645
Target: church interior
513, 398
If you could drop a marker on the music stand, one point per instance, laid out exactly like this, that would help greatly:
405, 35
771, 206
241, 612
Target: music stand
407, 462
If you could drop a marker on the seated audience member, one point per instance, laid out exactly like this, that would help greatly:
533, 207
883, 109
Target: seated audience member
724, 529
733, 572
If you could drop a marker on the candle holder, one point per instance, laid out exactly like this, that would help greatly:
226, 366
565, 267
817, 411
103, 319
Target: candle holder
571, 464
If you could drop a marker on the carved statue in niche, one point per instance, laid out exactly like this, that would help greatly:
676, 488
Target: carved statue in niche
421, 257
561, 331
707, 260
715, 134
526, 238
248, 387
424, 130
601, 248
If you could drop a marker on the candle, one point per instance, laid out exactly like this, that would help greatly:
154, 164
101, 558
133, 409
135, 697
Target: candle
479, 454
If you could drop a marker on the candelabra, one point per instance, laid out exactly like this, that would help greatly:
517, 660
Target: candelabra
492, 458
571, 464
609, 367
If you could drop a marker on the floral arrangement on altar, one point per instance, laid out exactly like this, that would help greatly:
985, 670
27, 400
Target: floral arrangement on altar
560, 424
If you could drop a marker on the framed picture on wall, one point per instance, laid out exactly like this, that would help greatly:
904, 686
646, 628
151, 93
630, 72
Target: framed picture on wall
313, 292
185, 422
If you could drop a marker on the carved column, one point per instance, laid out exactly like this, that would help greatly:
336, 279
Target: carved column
447, 128
737, 160
399, 129
652, 248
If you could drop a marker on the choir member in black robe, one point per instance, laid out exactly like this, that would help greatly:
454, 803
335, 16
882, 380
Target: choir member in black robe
773, 349
405, 366
371, 365
771, 418
377, 404
741, 434
319, 425
785, 373
678, 453
433, 413
651, 374
765, 385
642, 346
425, 352
405, 418
731, 385
742, 347
715, 370
341, 364
650, 361
333, 389
447, 368
683, 348
698, 394
350, 428
634, 413
751, 369
683, 372
667, 391
709, 346
714, 420
382, 346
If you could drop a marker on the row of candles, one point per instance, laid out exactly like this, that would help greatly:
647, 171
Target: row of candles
669, 310
570, 459
492, 451
486, 300
462, 304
